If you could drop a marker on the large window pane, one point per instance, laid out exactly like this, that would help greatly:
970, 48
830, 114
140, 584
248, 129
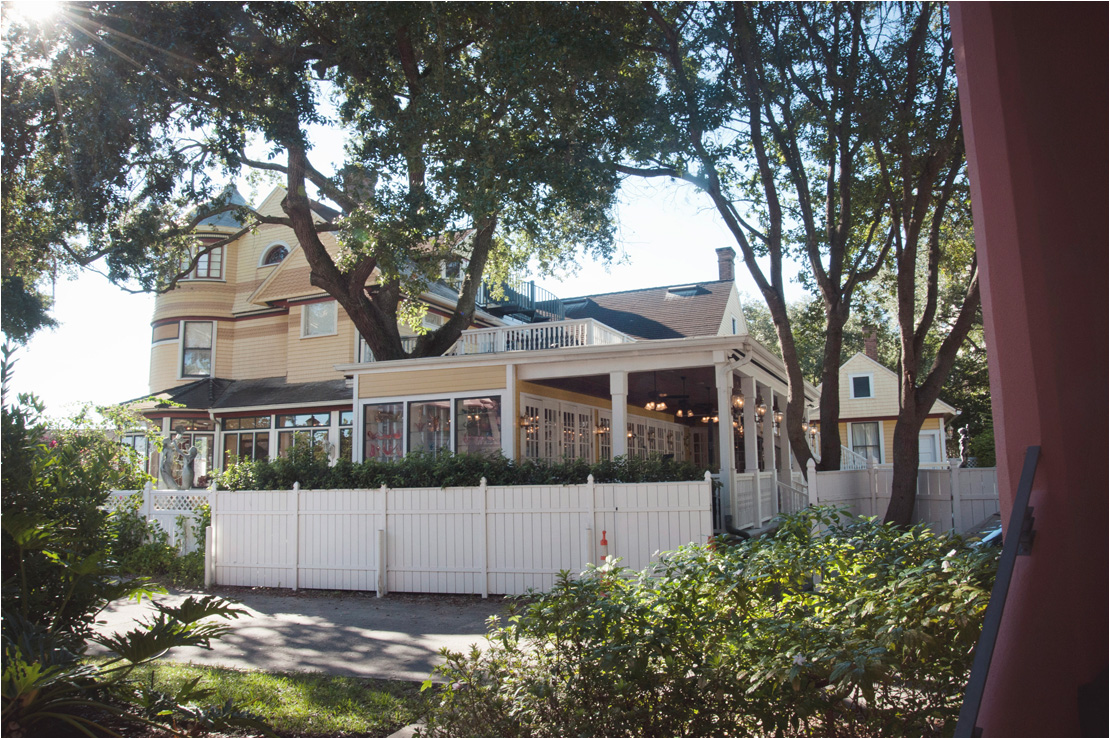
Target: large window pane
478, 425
196, 360
319, 319
430, 426
865, 440
383, 428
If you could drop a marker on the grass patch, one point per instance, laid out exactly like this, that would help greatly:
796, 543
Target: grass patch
299, 703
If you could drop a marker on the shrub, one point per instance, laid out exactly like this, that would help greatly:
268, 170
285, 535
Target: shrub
861, 630
310, 469
59, 576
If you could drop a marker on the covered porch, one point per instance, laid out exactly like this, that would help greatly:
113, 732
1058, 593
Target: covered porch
717, 401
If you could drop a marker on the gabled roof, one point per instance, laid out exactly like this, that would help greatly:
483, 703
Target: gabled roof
886, 388
675, 311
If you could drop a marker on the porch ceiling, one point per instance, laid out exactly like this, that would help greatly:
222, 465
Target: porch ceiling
699, 385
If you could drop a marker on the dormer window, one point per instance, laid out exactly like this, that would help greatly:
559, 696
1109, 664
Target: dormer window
275, 255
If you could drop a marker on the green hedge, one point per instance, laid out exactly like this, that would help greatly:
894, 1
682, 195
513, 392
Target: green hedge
864, 630
310, 468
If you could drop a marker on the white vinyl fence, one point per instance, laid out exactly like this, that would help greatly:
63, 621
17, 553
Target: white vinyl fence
947, 499
175, 511
469, 540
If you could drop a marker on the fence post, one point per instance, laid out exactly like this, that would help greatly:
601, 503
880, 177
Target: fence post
296, 535
485, 538
811, 479
383, 533
872, 483
590, 551
148, 501
958, 521
210, 542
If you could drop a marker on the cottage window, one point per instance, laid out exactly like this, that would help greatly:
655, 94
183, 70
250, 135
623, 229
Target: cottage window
318, 319
865, 440
860, 385
196, 353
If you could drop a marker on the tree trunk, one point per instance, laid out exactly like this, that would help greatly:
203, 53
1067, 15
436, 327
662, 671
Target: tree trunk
906, 457
830, 390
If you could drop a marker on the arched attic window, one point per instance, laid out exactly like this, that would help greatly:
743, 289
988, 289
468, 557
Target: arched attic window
274, 255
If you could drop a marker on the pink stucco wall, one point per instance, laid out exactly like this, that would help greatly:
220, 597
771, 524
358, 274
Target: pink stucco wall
1033, 92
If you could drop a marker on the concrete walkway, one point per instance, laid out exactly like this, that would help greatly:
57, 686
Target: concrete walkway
345, 633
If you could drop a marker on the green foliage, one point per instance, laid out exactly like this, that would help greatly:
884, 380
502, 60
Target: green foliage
859, 630
444, 469
59, 575
298, 703
143, 548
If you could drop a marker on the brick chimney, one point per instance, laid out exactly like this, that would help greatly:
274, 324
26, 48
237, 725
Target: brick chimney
725, 258
871, 342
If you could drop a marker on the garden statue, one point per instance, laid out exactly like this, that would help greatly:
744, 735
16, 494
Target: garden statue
171, 452
963, 446
187, 470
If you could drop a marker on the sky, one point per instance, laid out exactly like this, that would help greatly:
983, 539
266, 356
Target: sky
100, 353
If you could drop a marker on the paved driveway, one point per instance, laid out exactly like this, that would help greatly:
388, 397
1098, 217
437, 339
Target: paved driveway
348, 633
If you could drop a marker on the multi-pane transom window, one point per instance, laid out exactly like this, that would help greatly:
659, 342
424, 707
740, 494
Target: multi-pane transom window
302, 428
196, 353
246, 438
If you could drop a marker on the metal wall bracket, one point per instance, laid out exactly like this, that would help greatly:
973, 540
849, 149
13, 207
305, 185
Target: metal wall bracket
1027, 534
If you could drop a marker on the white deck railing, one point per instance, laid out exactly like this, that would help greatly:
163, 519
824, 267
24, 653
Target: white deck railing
534, 337
537, 337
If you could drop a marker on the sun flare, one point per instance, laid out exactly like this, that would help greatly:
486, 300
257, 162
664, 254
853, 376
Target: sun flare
32, 11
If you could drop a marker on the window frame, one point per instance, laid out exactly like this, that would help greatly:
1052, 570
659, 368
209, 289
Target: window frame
879, 430
870, 386
262, 260
206, 261
334, 318
183, 348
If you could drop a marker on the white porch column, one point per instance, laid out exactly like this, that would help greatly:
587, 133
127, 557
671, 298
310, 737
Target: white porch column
618, 391
751, 444
510, 431
769, 431
751, 448
726, 444
784, 447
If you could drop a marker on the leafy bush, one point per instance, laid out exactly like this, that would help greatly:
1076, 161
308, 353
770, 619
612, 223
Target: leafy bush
861, 630
59, 576
310, 469
142, 548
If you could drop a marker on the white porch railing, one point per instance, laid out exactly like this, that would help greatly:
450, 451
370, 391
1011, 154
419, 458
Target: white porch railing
849, 459
534, 337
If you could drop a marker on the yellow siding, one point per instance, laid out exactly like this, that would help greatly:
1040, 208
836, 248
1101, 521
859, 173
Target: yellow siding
259, 349
224, 348
163, 366
887, 429
199, 299
166, 332
430, 381
314, 359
